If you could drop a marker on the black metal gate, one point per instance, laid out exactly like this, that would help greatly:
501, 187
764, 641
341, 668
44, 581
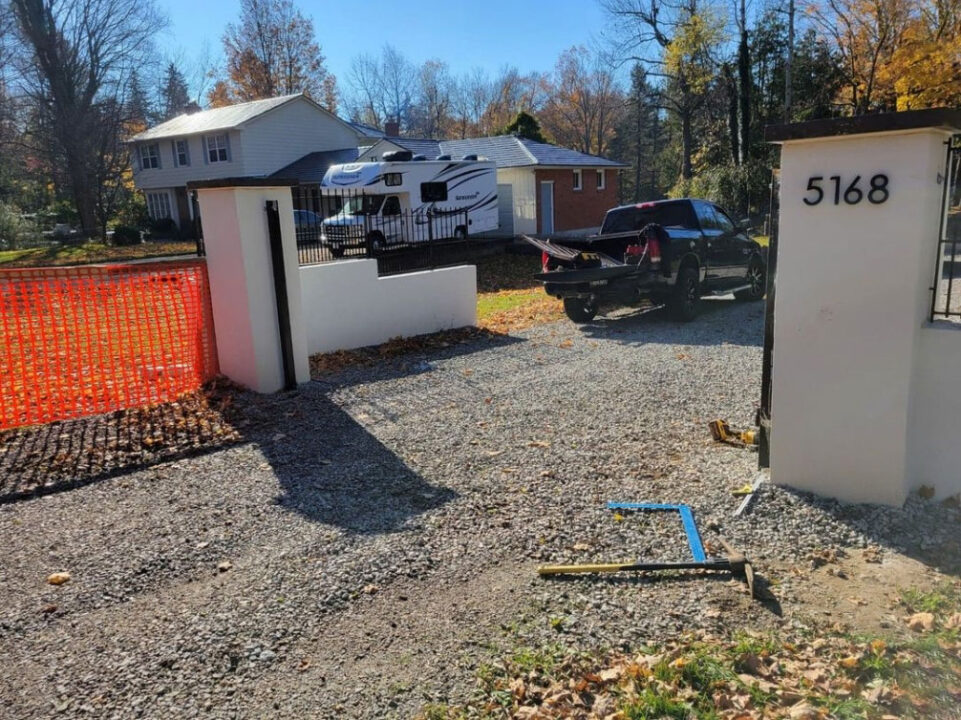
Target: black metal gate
352, 224
945, 293
764, 411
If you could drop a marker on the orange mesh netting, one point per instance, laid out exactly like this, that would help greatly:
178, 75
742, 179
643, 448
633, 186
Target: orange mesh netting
87, 340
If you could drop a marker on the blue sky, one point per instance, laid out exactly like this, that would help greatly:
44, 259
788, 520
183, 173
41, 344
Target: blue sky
529, 34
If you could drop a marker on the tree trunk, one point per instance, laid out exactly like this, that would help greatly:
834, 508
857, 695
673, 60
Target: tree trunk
687, 145
733, 127
655, 137
789, 63
638, 109
744, 92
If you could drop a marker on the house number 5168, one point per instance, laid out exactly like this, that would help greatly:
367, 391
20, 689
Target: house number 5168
876, 194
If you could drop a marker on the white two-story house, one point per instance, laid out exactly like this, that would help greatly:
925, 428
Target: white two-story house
253, 139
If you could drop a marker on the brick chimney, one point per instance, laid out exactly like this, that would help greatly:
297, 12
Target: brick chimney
392, 128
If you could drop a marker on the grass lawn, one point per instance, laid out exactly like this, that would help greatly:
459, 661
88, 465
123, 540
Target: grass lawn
92, 253
819, 673
508, 297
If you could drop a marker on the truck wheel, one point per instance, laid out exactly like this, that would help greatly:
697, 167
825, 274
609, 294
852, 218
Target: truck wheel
686, 297
756, 277
377, 242
580, 310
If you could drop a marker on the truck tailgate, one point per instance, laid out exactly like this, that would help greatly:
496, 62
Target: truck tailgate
582, 275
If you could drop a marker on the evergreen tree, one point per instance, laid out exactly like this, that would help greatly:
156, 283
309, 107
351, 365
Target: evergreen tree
638, 138
137, 106
174, 95
524, 125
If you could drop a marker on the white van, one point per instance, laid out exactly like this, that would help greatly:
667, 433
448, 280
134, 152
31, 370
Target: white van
402, 200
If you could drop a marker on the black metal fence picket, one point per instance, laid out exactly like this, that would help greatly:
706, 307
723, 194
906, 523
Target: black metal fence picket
352, 224
946, 288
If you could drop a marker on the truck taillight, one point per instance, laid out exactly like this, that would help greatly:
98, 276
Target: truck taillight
654, 249
544, 257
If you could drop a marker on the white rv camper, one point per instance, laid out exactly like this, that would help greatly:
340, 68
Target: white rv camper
401, 200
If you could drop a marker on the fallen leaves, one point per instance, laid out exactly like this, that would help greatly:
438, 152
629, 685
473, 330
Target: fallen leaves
921, 622
326, 363
58, 578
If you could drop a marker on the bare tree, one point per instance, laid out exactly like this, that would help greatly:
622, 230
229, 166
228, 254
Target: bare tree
75, 61
583, 103
435, 98
382, 88
273, 51
675, 40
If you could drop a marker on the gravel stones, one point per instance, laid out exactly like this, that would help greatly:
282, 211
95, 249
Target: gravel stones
442, 480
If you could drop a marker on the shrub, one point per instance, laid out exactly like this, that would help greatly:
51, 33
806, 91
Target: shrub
739, 189
126, 235
164, 228
14, 229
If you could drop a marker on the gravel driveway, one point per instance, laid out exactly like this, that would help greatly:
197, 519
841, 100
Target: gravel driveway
375, 539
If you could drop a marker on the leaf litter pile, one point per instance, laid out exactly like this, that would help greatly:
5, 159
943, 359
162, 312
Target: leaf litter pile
325, 363
805, 675
60, 455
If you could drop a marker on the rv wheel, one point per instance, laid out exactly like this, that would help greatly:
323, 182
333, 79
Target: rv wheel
337, 252
377, 242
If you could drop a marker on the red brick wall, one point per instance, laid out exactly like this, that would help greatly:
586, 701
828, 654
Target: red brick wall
575, 209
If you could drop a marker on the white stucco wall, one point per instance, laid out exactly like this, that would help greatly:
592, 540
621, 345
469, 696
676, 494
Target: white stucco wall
851, 303
242, 286
934, 449
346, 305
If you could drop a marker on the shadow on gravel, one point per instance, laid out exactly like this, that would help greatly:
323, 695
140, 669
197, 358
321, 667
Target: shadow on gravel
333, 471
926, 531
721, 321
375, 364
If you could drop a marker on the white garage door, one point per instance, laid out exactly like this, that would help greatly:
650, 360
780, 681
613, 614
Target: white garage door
505, 209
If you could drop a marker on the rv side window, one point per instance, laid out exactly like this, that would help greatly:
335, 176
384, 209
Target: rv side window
392, 179
391, 206
433, 192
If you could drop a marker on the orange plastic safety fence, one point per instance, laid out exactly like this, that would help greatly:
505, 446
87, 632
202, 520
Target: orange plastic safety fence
87, 340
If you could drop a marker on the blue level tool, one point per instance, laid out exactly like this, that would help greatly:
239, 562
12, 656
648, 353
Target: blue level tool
687, 519
735, 562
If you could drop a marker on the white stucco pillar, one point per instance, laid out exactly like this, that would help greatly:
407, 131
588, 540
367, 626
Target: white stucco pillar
855, 263
234, 217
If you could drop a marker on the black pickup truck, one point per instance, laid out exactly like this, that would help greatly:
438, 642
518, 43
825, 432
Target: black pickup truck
700, 251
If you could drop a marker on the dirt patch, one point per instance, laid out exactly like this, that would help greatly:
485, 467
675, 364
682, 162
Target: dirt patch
508, 271
859, 590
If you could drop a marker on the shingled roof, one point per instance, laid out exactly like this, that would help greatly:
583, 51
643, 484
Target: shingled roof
512, 151
311, 167
222, 118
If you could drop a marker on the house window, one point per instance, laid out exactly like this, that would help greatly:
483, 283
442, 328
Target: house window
158, 205
217, 148
433, 192
150, 156
577, 179
600, 180
182, 153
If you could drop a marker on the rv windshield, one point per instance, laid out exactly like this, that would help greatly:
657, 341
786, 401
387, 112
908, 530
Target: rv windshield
363, 205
